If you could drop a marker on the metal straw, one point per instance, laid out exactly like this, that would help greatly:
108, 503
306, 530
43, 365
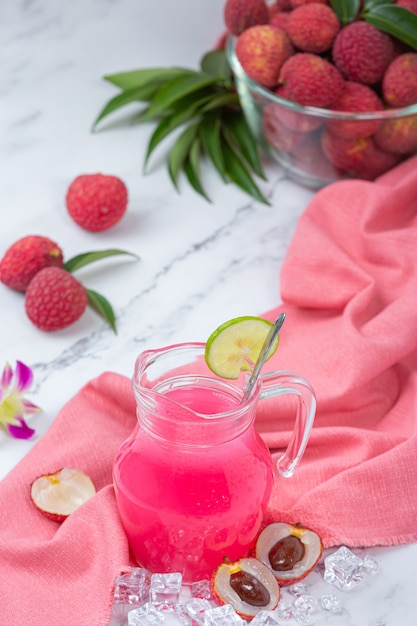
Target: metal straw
268, 343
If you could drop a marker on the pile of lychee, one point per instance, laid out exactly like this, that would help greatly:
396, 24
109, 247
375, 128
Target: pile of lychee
300, 51
34, 264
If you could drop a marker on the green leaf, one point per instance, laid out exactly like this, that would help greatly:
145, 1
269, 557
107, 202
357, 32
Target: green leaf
215, 64
191, 168
210, 138
179, 151
139, 78
185, 110
239, 174
136, 94
221, 100
76, 262
103, 307
394, 20
177, 88
346, 10
237, 127
368, 4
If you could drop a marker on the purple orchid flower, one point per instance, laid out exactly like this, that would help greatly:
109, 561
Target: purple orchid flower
13, 406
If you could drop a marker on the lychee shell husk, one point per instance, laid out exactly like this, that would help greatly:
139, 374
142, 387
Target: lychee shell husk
85, 491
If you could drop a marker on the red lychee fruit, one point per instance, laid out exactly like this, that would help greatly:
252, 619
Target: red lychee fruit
356, 98
283, 5
280, 20
399, 84
96, 202
312, 27
410, 5
240, 15
398, 135
276, 133
360, 158
362, 52
54, 299
310, 158
26, 257
310, 80
261, 51
298, 3
378, 164
293, 119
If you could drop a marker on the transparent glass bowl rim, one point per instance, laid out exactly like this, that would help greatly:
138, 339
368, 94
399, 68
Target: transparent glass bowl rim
271, 97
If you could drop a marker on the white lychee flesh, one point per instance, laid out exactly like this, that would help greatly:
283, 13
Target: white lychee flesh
277, 531
224, 592
59, 494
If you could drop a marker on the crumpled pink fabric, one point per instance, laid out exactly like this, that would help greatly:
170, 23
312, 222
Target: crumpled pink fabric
349, 288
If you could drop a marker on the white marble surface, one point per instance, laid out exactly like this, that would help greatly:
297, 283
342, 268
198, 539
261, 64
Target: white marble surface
200, 263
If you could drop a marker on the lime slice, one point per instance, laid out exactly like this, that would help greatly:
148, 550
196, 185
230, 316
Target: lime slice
235, 345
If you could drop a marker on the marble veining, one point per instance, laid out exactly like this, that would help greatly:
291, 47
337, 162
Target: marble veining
200, 263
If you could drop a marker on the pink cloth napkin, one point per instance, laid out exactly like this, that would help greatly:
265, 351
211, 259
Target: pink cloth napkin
349, 288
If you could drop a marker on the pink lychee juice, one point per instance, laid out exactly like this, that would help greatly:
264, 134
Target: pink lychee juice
186, 507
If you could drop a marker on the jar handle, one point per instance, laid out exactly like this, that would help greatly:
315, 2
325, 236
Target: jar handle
287, 382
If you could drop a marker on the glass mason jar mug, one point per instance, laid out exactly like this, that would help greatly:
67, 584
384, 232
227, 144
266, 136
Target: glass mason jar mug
193, 480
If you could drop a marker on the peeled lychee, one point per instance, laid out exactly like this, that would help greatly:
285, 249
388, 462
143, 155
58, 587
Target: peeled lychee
59, 494
248, 585
356, 98
261, 51
310, 80
399, 84
289, 551
240, 15
362, 52
312, 27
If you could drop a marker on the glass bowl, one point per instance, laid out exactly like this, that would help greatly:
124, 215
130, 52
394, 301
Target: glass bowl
319, 146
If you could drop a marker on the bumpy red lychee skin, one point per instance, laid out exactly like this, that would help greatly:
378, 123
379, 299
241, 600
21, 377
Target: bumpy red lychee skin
360, 158
25, 258
311, 80
261, 51
298, 3
280, 20
411, 5
54, 299
282, 5
309, 157
276, 133
356, 98
399, 84
97, 202
242, 14
398, 135
312, 27
293, 119
362, 52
